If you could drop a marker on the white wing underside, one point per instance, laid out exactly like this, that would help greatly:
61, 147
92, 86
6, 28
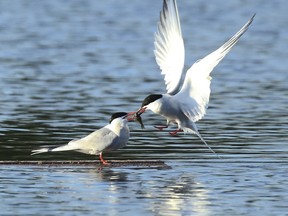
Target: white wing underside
170, 54
169, 47
195, 92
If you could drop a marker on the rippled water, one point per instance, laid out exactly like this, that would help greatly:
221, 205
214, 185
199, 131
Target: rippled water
66, 66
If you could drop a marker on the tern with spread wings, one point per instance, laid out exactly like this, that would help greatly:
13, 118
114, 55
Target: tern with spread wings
185, 102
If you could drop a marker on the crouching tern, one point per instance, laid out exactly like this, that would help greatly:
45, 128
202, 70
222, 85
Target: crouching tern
113, 136
185, 101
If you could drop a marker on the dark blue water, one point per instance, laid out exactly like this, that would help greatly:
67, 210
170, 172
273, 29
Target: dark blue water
66, 66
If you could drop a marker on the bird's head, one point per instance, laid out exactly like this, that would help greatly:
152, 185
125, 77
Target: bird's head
122, 116
148, 102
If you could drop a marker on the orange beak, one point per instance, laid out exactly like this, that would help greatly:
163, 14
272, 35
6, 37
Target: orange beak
131, 116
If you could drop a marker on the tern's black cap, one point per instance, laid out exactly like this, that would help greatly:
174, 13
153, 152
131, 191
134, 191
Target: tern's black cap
151, 98
117, 115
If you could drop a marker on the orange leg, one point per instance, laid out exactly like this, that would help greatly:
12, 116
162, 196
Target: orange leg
174, 133
102, 160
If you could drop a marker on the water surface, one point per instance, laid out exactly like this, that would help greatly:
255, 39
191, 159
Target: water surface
66, 66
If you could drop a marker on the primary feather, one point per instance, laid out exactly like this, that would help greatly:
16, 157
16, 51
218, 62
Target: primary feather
195, 92
169, 47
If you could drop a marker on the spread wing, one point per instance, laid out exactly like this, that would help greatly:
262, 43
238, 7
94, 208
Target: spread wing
195, 91
169, 46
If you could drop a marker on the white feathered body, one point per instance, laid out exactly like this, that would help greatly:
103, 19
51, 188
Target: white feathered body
171, 108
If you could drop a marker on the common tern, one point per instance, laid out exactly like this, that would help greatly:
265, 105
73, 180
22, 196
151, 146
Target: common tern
113, 136
185, 101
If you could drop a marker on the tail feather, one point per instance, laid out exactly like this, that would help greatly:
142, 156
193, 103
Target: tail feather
195, 131
68, 147
42, 150
199, 135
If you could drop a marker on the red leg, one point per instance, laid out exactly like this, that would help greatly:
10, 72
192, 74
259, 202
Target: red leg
161, 127
102, 160
174, 133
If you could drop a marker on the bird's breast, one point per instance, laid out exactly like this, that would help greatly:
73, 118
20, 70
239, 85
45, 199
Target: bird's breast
156, 106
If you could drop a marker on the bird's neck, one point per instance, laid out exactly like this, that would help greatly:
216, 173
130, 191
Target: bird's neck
157, 105
117, 126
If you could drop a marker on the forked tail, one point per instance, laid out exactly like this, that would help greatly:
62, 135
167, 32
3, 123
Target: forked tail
70, 146
193, 129
42, 150
199, 135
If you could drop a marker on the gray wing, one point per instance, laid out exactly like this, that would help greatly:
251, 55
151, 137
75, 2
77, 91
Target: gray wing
98, 140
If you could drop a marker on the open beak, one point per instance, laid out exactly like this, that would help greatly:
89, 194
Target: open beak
135, 117
131, 116
141, 111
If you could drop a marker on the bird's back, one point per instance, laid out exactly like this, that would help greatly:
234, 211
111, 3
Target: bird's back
120, 140
97, 141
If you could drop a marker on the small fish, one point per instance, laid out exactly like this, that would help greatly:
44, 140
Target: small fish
139, 119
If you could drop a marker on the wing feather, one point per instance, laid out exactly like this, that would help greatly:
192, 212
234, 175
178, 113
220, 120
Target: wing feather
99, 139
195, 92
169, 47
